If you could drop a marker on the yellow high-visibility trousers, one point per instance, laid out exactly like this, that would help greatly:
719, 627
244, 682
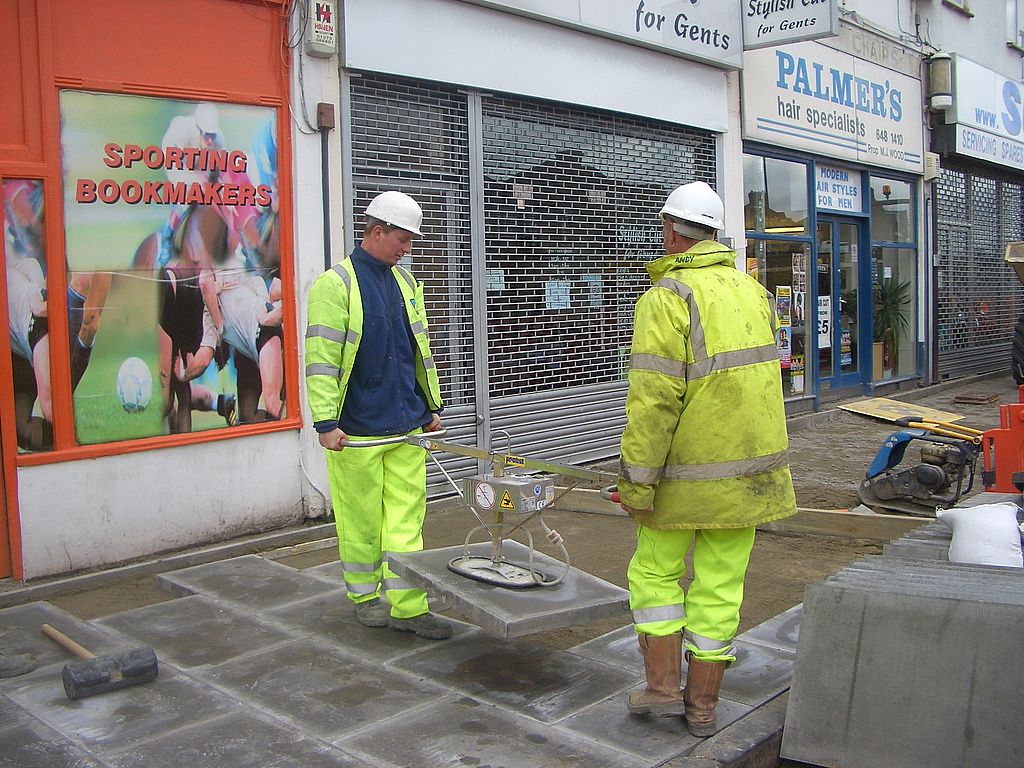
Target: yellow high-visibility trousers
709, 610
379, 496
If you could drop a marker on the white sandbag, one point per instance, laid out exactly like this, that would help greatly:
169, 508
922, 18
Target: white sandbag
987, 534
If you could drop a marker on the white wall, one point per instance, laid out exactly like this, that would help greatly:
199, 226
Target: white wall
99, 512
981, 39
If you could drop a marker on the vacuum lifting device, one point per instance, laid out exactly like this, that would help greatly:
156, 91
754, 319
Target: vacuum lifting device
508, 499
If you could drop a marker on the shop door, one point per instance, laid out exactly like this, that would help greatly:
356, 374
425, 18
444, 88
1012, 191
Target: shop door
839, 304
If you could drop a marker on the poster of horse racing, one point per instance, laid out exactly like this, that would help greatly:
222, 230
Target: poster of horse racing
173, 253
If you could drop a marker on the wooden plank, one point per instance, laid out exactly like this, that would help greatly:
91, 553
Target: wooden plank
843, 522
890, 410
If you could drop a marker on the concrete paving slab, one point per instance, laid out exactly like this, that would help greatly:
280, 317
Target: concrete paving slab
885, 679
333, 620
330, 572
478, 735
618, 648
20, 633
310, 685
760, 673
252, 581
196, 631
781, 631
117, 719
654, 739
528, 679
28, 743
579, 599
234, 741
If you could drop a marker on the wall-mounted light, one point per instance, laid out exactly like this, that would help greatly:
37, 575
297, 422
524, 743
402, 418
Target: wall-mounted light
940, 80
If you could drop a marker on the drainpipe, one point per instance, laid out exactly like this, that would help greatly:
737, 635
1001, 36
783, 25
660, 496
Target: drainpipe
325, 124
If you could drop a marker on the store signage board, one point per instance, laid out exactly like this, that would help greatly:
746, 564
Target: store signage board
778, 22
709, 31
838, 189
988, 113
810, 97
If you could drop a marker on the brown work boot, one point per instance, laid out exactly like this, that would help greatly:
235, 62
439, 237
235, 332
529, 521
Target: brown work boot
18, 664
662, 665
703, 679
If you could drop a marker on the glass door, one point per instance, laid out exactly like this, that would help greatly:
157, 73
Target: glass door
839, 303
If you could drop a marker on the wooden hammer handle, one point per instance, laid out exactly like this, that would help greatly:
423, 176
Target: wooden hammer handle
55, 634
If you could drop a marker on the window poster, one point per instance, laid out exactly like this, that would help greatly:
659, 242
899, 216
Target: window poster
25, 270
173, 251
796, 374
783, 343
845, 353
784, 304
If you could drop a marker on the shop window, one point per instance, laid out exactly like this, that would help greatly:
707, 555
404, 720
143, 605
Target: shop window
894, 311
173, 255
775, 196
781, 267
25, 266
892, 211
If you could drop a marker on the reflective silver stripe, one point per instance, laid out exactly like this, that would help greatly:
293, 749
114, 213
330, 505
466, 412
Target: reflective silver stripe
344, 275
428, 363
397, 583
707, 644
407, 276
639, 475
417, 328
325, 332
685, 292
659, 613
361, 589
361, 567
727, 469
323, 369
733, 359
658, 364
352, 336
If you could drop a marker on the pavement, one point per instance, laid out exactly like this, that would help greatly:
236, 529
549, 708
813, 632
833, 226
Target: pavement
263, 664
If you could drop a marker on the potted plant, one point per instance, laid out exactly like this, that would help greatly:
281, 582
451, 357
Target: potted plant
889, 318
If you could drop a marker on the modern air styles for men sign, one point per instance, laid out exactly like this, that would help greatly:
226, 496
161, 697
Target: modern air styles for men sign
777, 22
704, 30
810, 97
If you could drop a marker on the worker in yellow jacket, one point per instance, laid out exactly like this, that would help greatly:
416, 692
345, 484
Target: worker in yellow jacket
369, 375
704, 455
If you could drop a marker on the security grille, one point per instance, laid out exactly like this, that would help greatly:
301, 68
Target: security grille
570, 198
412, 137
979, 296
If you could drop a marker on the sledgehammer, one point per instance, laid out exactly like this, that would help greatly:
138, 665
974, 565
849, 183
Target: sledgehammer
99, 674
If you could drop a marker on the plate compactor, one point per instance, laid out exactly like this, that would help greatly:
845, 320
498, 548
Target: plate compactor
949, 455
504, 499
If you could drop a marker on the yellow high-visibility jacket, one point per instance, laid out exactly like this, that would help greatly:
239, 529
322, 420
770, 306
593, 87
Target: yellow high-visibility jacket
334, 327
705, 442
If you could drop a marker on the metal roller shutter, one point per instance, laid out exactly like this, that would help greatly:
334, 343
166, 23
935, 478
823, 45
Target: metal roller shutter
979, 296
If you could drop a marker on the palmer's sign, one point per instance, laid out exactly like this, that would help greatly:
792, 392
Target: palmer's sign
810, 97
704, 30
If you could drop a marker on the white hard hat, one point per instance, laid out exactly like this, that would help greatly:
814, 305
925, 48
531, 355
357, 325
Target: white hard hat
397, 209
696, 203
207, 118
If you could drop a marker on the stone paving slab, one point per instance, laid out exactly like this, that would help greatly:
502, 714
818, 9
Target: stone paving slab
196, 631
20, 633
320, 690
26, 741
529, 679
238, 740
781, 631
467, 733
579, 599
251, 581
654, 739
332, 619
889, 679
117, 719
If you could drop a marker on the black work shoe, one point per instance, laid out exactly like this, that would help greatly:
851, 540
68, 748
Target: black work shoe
20, 664
373, 613
425, 625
